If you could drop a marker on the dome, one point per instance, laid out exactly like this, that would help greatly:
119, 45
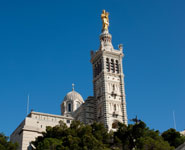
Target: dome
71, 102
73, 95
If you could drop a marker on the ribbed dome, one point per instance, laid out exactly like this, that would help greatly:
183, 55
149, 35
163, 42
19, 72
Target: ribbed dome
73, 95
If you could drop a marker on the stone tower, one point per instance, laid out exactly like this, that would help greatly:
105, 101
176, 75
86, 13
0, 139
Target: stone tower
108, 80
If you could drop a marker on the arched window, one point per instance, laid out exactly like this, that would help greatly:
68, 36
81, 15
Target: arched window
114, 107
107, 65
112, 66
115, 125
69, 107
113, 87
117, 66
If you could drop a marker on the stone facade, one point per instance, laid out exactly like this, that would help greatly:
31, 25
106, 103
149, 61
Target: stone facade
108, 82
86, 112
33, 126
108, 105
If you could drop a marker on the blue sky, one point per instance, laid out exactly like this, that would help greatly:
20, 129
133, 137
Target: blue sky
45, 47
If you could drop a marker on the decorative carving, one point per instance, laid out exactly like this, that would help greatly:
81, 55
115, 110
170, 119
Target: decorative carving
120, 47
101, 45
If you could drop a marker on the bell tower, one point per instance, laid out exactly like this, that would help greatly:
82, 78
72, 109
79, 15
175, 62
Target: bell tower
108, 80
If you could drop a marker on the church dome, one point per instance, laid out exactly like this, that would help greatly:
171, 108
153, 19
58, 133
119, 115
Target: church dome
71, 102
73, 95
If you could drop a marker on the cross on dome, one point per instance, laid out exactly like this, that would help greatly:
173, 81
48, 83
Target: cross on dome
73, 87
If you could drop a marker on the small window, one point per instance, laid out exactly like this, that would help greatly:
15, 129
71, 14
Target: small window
114, 107
113, 87
107, 65
115, 125
69, 107
117, 66
112, 66
68, 121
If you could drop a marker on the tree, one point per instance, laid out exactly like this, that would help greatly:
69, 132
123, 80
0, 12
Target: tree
139, 137
173, 137
77, 137
5, 144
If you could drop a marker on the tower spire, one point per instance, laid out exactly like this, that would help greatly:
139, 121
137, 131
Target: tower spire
108, 80
105, 36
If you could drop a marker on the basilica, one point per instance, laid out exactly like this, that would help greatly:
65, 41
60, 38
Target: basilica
107, 105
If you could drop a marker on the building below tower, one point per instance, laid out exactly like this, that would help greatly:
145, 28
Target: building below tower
33, 126
107, 106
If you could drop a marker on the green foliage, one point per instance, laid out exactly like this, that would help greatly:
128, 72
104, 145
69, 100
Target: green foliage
148, 143
139, 137
78, 136
5, 144
173, 137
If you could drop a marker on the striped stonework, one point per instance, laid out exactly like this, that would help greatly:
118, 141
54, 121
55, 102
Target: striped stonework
108, 82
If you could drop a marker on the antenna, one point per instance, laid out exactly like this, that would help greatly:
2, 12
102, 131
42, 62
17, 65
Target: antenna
28, 104
174, 120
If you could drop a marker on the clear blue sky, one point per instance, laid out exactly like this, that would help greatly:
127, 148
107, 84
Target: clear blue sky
45, 47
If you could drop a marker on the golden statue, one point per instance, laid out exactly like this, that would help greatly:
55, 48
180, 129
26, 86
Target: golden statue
105, 19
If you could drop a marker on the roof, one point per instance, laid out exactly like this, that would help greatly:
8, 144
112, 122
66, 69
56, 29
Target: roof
73, 95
